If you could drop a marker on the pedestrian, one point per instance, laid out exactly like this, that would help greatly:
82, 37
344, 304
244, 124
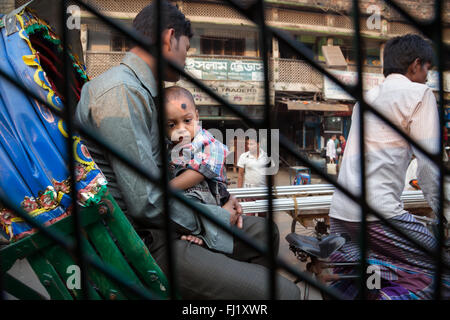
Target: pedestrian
331, 150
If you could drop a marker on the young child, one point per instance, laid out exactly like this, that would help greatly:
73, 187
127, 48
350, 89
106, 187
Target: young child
196, 158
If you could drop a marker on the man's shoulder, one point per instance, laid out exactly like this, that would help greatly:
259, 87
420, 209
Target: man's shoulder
243, 158
401, 88
116, 78
244, 155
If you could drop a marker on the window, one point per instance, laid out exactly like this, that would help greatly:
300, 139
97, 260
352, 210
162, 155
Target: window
347, 49
371, 53
372, 56
333, 124
118, 43
286, 52
222, 46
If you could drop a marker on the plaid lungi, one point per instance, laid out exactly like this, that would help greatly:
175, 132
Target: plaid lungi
406, 271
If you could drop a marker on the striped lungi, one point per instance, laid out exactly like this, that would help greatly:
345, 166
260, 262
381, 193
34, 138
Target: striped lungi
406, 271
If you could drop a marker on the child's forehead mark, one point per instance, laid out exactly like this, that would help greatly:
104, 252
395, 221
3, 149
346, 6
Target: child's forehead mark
183, 106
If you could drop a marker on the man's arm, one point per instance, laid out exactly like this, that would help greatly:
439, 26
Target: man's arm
424, 129
241, 177
186, 179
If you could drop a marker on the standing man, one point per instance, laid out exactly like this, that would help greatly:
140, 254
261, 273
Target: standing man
331, 150
119, 105
406, 271
252, 166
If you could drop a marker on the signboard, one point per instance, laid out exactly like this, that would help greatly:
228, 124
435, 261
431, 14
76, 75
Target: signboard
225, 69
371, 80
240, 93
333, 91
333, 56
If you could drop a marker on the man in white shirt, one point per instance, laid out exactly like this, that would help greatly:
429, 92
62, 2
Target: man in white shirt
252, 166
331, 150
407, 272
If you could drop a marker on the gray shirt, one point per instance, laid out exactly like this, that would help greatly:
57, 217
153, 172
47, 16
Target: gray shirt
119, 105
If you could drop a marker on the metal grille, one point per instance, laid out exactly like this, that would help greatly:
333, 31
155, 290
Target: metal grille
342, 22
229, 34
216, 11
211, 10
401, 28
99, 62
298, 17
256, 14
118, 6
296, 71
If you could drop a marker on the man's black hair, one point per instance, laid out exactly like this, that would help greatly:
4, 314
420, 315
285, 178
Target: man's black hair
145, 21
400, 52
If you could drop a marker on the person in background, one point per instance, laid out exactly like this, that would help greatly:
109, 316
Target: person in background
252, 165
331, 150
343, 143
340, 151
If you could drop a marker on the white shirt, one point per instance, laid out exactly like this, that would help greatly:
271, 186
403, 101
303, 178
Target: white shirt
412, 107
255, 168
331, 149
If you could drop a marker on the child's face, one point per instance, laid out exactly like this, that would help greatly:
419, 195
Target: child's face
182, 120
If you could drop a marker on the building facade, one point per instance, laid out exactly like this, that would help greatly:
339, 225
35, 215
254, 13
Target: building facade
225, 54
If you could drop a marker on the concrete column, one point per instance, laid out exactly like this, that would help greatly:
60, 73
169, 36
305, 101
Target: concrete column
276, 56
84, 40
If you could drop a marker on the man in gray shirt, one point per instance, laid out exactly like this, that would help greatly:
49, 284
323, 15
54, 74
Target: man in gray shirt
119, 105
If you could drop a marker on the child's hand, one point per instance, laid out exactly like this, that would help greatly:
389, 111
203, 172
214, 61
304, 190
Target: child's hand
193, 239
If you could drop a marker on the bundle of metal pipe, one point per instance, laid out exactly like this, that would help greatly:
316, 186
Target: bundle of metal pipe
278, 191
318, 203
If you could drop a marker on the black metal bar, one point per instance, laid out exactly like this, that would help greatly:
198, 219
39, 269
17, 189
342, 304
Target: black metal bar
155, 179
161, 67
438, 40
358, 43
70, 150
227, 104
279, 34
138, 168
259, 8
